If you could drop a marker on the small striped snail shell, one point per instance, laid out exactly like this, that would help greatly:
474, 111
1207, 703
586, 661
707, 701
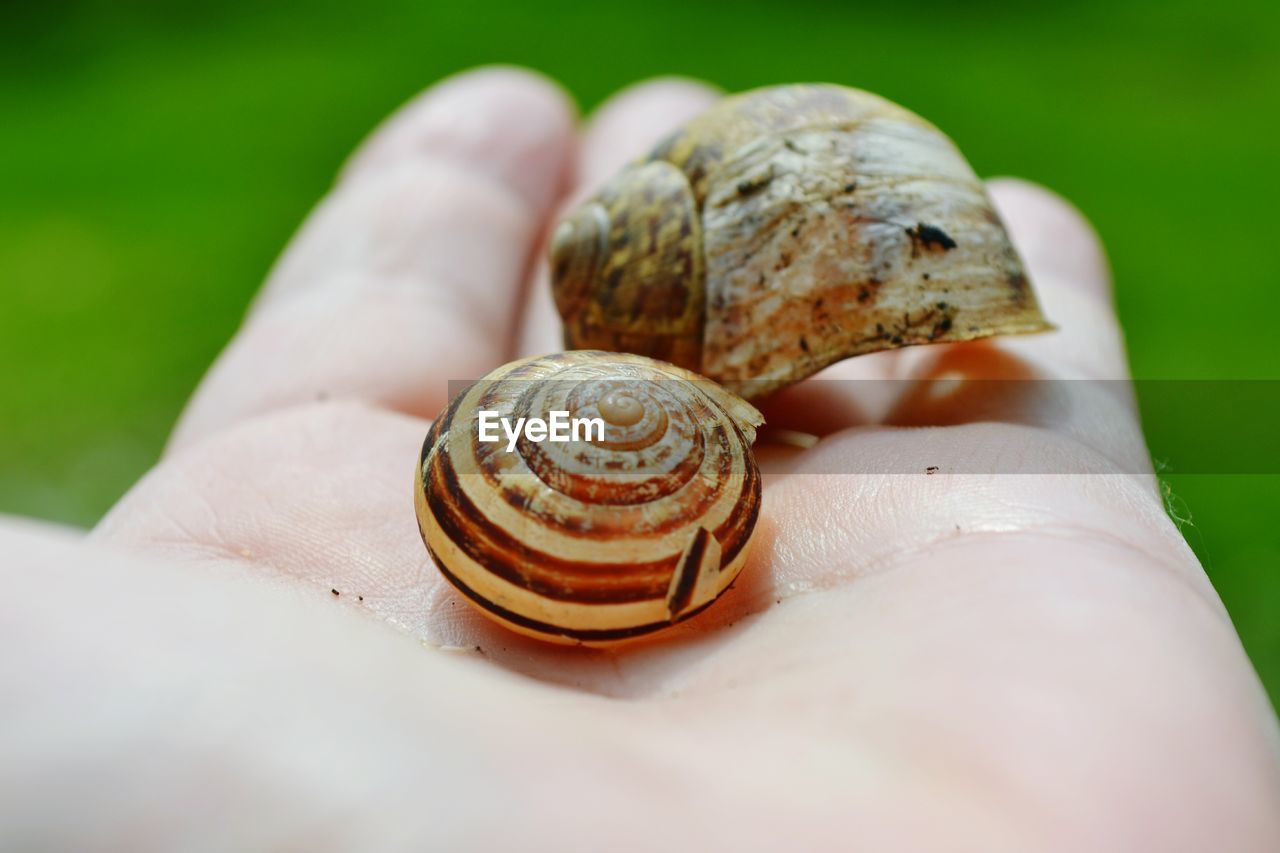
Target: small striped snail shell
783, 230
591, 541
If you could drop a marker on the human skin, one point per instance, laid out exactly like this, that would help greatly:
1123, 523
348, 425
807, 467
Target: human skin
253, 650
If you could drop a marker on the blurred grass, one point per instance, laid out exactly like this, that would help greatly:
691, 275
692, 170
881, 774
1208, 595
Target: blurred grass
155, 157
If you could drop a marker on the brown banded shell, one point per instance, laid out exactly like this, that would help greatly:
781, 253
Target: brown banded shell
786, 229
592, 540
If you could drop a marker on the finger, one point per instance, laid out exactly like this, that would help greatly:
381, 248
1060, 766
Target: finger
408, 274
634, 120
623, 128
1069, 271
506, 123
1073, 380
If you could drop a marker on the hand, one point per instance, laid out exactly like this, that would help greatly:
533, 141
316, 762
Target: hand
253, 649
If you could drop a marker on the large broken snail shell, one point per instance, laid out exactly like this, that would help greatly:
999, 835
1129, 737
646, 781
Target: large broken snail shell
786, 229
592, 540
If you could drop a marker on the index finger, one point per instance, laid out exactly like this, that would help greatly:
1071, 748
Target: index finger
409, 273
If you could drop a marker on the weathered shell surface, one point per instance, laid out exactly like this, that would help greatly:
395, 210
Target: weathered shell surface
786, 229
586, 541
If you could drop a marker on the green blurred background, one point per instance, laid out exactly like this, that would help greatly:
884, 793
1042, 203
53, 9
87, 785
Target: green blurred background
154, 158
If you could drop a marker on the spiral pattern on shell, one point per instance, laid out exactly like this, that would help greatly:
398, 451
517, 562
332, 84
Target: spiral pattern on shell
786, 229
592, 541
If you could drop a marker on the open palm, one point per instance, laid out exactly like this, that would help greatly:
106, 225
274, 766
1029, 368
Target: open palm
1013, 651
